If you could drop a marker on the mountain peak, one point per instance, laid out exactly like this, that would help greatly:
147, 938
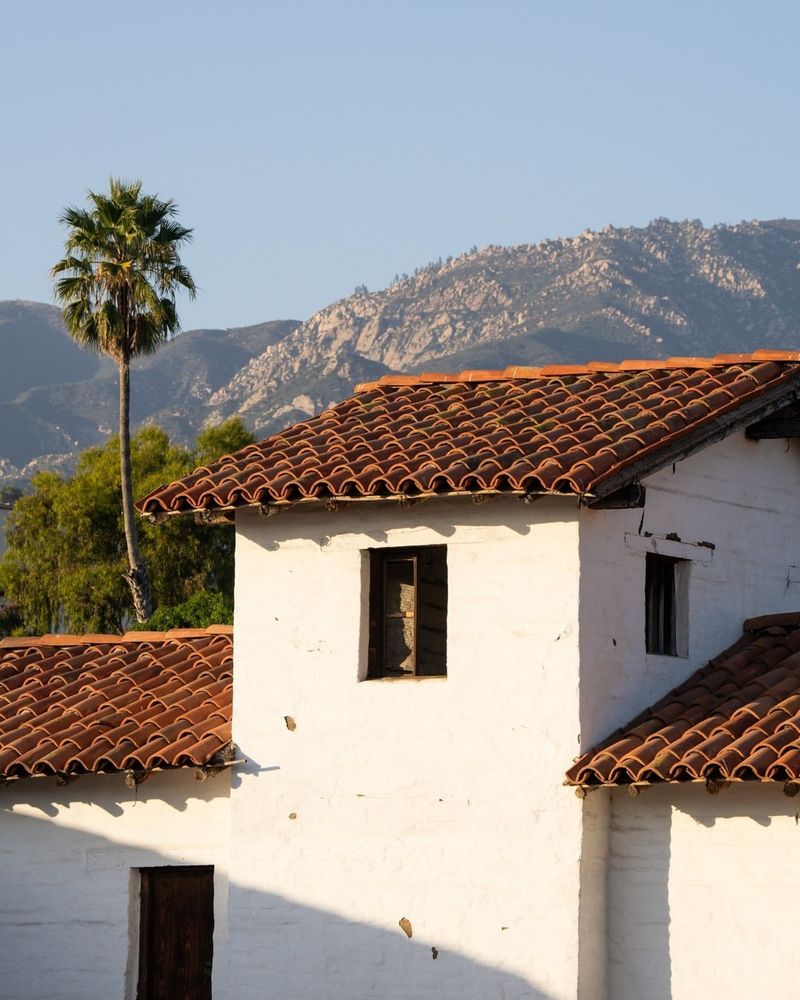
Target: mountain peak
667, 288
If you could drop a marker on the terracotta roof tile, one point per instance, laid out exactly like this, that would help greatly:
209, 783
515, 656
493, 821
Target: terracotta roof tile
80, 704
737, 718
557, 429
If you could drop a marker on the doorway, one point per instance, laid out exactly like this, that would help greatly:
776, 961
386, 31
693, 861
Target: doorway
176, 933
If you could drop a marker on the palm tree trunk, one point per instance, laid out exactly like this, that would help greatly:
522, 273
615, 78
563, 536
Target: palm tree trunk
136, 574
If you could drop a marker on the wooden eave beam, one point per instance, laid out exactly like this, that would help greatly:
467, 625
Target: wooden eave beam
748, 413
627, 497
784, 423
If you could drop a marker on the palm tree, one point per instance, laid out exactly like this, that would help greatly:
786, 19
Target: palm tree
117, 288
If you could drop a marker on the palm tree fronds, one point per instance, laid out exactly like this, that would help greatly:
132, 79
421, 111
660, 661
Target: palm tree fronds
123, 265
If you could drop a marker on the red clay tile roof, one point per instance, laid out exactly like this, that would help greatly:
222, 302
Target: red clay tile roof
737, 718
571, 429
79, 704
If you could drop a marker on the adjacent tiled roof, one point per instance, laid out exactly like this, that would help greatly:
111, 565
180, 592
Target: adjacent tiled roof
738, 718
80, 704
567, 429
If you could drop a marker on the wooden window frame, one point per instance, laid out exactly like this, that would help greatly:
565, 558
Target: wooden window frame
666, 605
379, 559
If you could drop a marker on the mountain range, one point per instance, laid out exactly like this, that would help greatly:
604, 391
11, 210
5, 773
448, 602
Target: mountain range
669, 288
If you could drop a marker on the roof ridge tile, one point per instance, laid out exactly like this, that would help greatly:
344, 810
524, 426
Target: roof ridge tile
63, 640
589, 367
788, 619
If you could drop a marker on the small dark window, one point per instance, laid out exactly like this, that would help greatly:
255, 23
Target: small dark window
408, 612
665, 605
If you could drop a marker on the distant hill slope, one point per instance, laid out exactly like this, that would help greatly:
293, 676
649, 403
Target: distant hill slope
46, 422
668, 288
35, 351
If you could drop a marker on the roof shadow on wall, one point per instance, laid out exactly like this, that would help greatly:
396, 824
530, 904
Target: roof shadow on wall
76, 887
109, 793
440, 515
758, 802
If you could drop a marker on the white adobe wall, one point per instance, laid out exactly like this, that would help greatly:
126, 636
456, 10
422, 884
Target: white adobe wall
437, 800
740, 495
68, 887
703, 894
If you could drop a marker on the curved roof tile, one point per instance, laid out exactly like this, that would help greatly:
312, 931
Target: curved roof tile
737, 718
561, 429
80, 704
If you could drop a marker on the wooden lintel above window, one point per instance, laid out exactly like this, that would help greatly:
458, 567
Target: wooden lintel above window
632, 495
784, 423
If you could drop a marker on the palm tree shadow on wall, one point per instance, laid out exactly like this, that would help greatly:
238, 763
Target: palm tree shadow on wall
55, 891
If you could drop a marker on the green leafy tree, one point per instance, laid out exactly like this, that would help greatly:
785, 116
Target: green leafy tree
199, 611
32, 541
117, 285
63, 567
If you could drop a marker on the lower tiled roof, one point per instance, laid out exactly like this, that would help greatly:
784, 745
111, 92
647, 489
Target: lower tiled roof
737, 718
574, 429
74, 705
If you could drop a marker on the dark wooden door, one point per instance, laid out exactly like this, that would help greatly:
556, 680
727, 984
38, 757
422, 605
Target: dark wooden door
176, 933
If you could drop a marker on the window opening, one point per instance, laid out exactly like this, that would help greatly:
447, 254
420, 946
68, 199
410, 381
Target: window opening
408, 612
666, 605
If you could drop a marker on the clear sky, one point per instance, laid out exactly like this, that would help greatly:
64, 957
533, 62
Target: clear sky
318, 144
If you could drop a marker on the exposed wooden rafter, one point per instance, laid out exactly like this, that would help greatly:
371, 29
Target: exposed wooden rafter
784, 423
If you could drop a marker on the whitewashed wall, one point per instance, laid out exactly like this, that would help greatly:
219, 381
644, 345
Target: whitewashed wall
739, 495
439, 800
68, 885
703, 894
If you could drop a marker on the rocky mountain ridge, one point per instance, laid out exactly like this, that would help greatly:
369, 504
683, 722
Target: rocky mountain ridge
669, 288
665, 289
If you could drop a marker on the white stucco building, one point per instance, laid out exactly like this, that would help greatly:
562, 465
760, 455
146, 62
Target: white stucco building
448, 589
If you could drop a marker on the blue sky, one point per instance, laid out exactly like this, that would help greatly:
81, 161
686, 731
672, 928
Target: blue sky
318, 144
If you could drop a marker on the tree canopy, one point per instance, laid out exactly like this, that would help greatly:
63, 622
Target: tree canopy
117, 285
63, 567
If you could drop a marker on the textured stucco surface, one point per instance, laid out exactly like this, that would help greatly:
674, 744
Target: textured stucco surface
674, 872
68, 886
439, 800
738, 495
702, 892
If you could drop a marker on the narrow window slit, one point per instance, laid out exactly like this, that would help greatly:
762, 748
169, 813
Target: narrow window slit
666, 605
